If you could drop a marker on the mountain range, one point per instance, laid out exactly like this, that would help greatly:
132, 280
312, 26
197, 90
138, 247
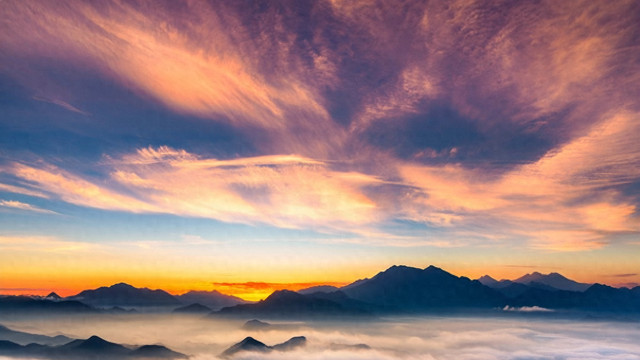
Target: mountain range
20, 344
552, 281
397, 290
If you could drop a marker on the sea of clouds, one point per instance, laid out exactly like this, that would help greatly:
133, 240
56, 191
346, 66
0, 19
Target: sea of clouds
456, 338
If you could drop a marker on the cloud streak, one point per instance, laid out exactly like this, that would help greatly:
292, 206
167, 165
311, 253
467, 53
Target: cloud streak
17, 205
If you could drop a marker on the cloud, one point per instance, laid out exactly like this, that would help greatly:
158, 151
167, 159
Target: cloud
17, 205
21, 190
74, 189
197, 59
623, 275
282, 190
465, 338
526, 309
62, 104
564, 201
545, 95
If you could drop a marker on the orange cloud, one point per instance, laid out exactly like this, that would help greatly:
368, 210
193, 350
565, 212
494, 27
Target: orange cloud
561, 202
74, 189
199, 68
282, 190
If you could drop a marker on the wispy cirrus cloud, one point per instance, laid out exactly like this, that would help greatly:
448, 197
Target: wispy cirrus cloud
286, 191
18, 205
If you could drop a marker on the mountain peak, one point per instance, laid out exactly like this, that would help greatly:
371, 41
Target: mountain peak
53, 295
487, 280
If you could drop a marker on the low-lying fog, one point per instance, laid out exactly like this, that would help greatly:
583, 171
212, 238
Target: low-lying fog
393, 338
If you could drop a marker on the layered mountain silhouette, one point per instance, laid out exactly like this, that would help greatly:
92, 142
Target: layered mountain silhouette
125, 295
91, 348
399, 289
402, 288
22, 304
24, 338
211, 299
290, 304
250, 344
552, 281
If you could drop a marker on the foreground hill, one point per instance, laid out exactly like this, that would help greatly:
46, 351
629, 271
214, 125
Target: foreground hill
250, 344
125, 295
91, 348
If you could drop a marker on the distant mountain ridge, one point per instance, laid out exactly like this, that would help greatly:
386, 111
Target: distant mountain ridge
549, 281
125, 295
397, 290
286, 303
553, 280
211, 299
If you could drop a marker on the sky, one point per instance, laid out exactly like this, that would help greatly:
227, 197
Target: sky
255, 145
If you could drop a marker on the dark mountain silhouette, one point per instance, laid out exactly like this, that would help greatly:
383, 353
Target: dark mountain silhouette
19, 304
53, 297
598, 297
256, 325
24, 338
156, 352
339, 347
93, 345
212, 299
10, 348
125, 295
120, 310
317, 289
408, 289
488, 281
554, 280
252, 345
91, 348
285, 304
291, 344
193, 309
247, 344
512, 289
